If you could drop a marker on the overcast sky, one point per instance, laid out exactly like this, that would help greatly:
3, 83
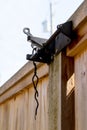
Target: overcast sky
17, 14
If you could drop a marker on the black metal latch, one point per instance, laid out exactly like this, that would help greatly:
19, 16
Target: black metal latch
45, 49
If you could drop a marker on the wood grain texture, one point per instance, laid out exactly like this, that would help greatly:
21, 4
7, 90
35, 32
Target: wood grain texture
27, 69
78, 47
25, 81
18, 113
79, 15
67, 93
79, 19
56, 91
61, 94
81, 90
80, 42
54, 95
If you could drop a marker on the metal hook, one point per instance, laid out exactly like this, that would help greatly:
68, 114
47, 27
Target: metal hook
27, 31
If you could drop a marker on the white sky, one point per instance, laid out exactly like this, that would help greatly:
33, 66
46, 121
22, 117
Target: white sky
17, 14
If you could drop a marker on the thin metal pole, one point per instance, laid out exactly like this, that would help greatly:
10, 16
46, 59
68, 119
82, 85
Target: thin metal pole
51, 21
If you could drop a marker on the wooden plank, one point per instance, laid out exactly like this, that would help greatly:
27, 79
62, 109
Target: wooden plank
27, 68
11, 115
43, 103
78, 47
41, 118
1, 117
67, 93
79, 15
79, 19
20, 110
22, 73
61, 102
23, 83
26, 109
54, 94
81, 90
80, 41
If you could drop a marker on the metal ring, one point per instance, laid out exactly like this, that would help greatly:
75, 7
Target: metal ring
26, 31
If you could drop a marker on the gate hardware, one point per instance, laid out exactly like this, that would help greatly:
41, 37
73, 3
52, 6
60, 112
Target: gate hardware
46, 49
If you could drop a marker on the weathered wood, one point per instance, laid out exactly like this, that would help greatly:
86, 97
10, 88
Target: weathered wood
61, 105
78, 47
81, 90
78, 50
18, 112
67, 93
80, 42
79, 15
54, 95
17, 103
56, 99
27, 69
79, 19
24, 82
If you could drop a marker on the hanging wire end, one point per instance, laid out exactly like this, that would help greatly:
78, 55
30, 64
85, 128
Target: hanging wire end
35, 80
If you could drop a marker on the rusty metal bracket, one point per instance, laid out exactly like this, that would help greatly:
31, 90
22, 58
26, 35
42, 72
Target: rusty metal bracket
46, 49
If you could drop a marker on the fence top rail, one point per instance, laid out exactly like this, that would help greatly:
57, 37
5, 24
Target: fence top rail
79, 15
26, 70
79, 19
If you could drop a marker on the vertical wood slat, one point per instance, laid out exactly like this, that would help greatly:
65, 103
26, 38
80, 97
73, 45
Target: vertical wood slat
67, 93
81, 90
18, 112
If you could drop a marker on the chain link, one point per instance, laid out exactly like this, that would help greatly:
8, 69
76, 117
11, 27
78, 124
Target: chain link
35, 80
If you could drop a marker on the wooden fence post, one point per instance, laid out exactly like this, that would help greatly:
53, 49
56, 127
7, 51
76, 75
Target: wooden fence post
61, 94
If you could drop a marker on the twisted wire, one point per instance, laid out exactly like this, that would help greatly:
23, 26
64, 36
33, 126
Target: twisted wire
35, 80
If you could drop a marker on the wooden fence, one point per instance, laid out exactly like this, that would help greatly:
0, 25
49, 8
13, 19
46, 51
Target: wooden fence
17, 103
62, 88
